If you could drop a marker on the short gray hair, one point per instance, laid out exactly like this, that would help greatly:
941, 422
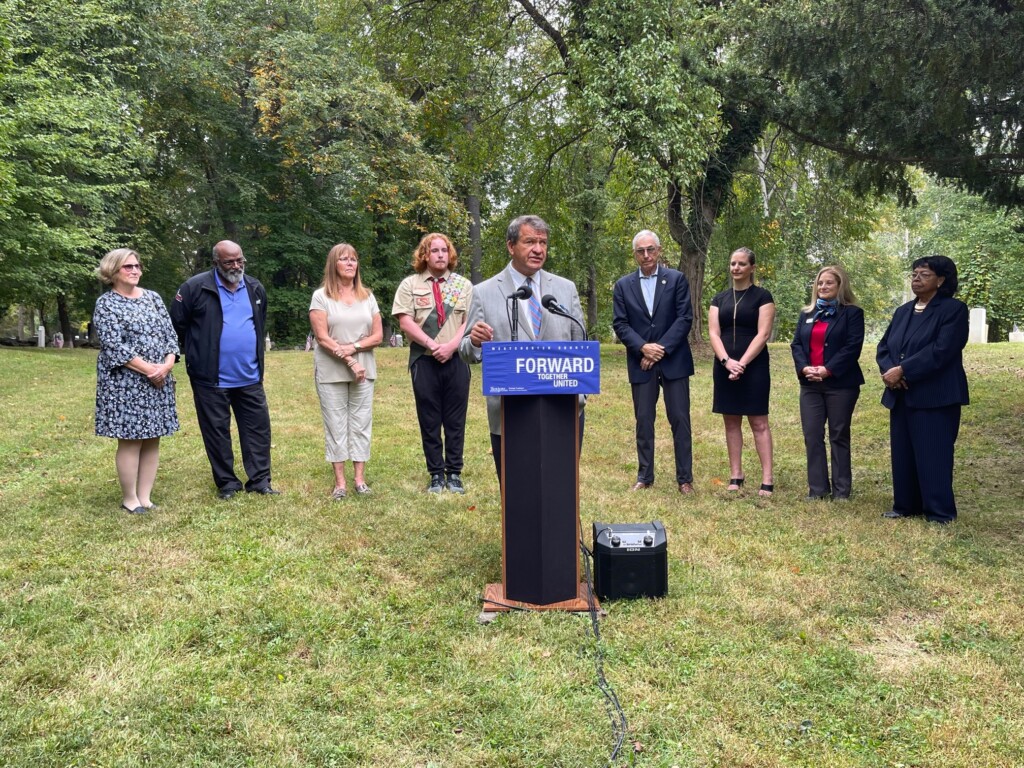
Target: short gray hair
534, 222
112, 262
646, 233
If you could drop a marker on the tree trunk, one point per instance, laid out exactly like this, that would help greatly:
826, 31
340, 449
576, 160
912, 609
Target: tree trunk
691, 222
591, 297
691, 227
65, 320
476, 249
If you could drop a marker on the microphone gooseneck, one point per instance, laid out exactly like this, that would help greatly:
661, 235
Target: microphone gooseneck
550, 303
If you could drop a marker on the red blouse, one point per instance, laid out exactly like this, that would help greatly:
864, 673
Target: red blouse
818, 342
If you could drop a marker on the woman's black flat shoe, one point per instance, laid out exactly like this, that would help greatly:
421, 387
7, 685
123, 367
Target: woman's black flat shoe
136, 511
737, 481
766, 490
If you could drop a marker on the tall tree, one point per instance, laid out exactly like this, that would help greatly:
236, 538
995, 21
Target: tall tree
69, 152
273, 132
887, 84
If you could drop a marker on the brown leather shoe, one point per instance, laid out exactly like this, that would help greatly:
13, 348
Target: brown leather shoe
686, 488
641, 486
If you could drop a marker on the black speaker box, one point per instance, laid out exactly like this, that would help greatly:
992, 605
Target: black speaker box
630, 560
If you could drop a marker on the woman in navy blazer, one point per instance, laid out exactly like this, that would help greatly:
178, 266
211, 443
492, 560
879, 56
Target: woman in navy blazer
921, 361
826, 349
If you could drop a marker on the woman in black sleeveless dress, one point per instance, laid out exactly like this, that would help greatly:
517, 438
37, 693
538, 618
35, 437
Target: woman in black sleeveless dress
739, 324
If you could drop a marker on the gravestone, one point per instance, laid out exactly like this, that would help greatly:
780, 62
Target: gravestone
978, 333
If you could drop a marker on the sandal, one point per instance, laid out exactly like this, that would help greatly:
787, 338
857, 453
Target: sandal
737, 481
338, 494
362, 489
766, 490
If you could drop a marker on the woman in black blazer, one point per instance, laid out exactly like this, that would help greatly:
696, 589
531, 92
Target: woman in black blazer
921, 361
826, 349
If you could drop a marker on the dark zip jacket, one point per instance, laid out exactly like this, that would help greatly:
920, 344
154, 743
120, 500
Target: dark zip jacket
199, 320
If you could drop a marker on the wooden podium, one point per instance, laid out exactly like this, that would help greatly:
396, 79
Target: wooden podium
540, 439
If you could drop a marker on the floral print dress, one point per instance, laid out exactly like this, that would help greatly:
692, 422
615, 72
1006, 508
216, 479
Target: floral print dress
128, 406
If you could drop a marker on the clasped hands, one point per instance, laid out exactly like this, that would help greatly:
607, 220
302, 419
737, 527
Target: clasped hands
816, 373
735, 369
444, 352
893, 378
159, 373
652, 353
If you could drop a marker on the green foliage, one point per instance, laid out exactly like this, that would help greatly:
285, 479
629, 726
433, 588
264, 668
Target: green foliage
887, 84
798, 214
271, 132
632, 65
69, 153
987, 245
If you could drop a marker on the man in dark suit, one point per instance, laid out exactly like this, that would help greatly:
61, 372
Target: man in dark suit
652, 317
527, 243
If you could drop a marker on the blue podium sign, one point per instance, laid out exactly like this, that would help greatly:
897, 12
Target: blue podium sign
541, 367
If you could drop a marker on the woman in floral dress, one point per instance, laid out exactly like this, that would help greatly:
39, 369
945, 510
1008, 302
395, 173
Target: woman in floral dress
134, 385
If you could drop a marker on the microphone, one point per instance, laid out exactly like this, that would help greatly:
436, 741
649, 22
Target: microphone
522, 292
550, 303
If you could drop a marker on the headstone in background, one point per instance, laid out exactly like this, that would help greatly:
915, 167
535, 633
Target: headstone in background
41, 336
1017, 335
978, 333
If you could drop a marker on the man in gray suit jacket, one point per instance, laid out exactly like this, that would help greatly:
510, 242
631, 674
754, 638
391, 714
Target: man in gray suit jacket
488, 319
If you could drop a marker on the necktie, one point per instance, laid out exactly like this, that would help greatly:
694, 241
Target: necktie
438, 301
534, 308
647, 283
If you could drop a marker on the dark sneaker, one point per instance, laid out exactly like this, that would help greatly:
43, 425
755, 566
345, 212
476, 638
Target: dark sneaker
455, 484
436, 484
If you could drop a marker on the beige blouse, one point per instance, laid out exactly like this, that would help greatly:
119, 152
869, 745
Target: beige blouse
345, 324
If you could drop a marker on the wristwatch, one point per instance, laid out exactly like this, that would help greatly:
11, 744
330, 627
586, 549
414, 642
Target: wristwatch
357, 346
724, 360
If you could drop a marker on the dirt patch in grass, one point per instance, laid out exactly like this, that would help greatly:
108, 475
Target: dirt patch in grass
894, 646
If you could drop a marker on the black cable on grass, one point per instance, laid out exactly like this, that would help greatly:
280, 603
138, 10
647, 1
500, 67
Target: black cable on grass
616, 715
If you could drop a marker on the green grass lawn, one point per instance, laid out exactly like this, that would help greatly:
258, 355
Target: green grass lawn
296, 631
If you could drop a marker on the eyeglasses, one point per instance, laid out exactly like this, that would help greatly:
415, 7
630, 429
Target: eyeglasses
131, 267
231, 263
924, 274
651, 249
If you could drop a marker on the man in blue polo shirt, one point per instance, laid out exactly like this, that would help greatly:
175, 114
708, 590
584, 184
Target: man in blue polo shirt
220, 318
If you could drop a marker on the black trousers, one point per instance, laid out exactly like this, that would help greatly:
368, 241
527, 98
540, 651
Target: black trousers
921, 441
677, 408
214, 406
821, 405
442, 397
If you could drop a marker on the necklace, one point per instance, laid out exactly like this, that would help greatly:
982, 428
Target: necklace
735, 306
919, 307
